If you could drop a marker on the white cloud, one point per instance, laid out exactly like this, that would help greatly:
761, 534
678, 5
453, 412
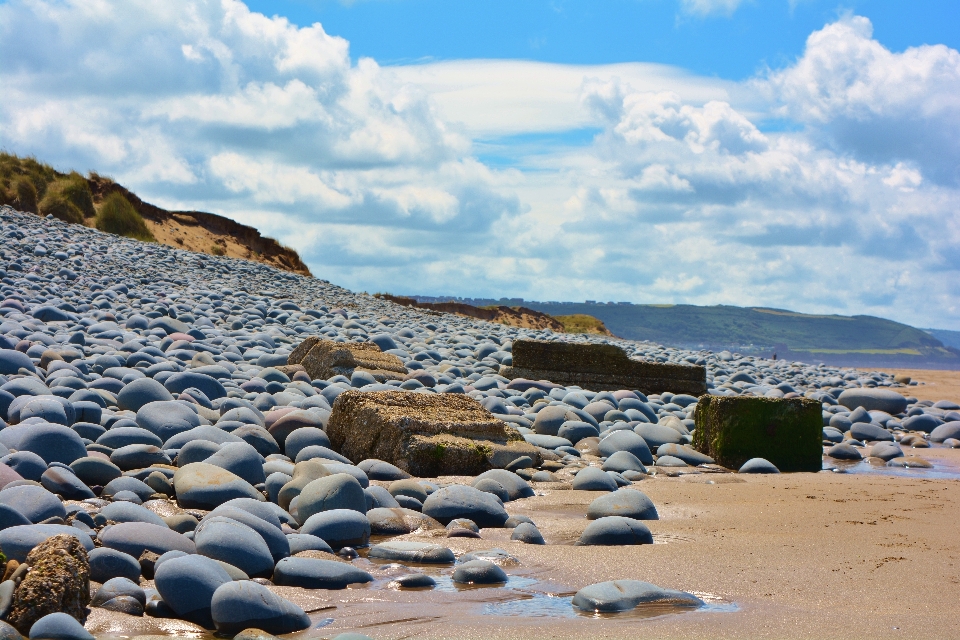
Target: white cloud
880, 105
661, 117
422, 178
506, 97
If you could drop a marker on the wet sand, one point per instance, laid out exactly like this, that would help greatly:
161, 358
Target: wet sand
937, 385
820, 556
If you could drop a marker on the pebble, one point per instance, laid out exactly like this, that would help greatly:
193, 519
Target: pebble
298, 542
549, 420
167, 418
577, 430
626, 502
10, 517
527, 533
870, 432
52, 442
844, 452
546, 442
414, 581
615, 530
141, 392
886, 451
515, 486
622, 461
205, 486
337, 491
236, 606
235, 543
106, 563
58, 626
187, 585
411, 488
946, 431
399, 521
670, 461
117, 587
17, 541
684, 452
133, 538
412, 552
267, 527
625, 440
479, 572
594, 479
25, 464
758, 465
126, 483
138, 456
304, 437
874, 399
657, 434
461, 501
339, 527
35, 503
312, 573
380, 470
625, 595
241, 459
128, 512
379, 498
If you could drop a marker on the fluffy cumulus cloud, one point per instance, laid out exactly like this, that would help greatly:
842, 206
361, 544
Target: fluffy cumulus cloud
210, 104
853, 211
623, 182
875, 104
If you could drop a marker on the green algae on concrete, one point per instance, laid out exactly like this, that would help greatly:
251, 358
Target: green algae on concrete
426, 435
787, 432
600, 367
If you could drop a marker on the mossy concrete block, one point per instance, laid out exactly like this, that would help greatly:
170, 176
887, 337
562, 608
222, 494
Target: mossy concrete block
600, 367
733, 430
424, 435
323, 359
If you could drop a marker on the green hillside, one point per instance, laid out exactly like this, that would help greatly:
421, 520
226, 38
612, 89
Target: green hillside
948, 338
846, 340
689, 324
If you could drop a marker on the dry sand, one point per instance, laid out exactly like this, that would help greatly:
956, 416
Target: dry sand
936, 385
800, 556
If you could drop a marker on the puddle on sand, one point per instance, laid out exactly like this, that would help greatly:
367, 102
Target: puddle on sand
939, 471
548, 605
445, 583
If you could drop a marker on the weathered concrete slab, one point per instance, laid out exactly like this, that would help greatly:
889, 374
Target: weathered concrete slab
323, 359
788, 433
426, 435
600, 367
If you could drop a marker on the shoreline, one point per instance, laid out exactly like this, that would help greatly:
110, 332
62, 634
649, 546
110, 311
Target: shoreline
807, 555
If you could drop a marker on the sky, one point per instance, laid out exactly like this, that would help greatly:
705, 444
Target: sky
795, 154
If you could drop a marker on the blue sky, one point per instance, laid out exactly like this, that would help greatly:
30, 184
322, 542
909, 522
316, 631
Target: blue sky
801, 155
733, 44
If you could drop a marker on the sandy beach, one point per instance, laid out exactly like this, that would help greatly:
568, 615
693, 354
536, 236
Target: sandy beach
796, 556
937, 385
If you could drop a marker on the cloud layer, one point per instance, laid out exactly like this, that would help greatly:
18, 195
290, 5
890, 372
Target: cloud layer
830, 185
